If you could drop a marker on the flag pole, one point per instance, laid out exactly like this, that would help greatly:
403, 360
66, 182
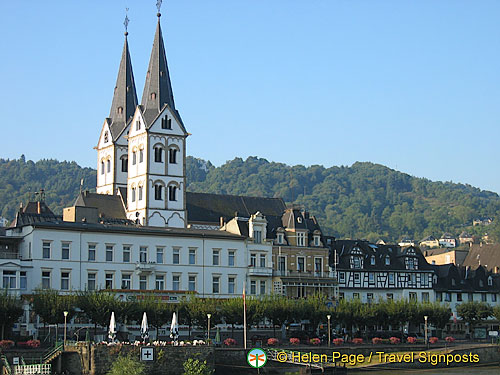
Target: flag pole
244, 317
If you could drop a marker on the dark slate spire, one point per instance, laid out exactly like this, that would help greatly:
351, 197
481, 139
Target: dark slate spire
157, 89
125, 96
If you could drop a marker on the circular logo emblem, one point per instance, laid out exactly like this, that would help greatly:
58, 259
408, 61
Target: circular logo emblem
256, 358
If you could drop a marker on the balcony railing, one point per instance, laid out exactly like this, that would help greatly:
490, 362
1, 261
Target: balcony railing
260, 271
9, 255
289, 273
143, 267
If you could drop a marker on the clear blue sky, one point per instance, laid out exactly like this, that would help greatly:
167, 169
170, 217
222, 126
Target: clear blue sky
414, 85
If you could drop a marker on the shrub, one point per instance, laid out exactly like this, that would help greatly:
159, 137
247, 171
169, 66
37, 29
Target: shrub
357, 341
433, 340
376, 340
272, 341
196, 367
294, 341
338, 342
126, 365
411, 340
230, 342
33, 343
395, 340
449, 339
6, 344
315, 341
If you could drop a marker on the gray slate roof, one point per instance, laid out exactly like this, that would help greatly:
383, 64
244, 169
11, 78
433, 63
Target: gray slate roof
157, 81
124, 96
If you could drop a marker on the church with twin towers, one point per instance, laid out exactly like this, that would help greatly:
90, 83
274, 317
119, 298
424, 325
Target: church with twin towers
141, 152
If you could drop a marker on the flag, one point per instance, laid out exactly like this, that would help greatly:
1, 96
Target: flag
244, 317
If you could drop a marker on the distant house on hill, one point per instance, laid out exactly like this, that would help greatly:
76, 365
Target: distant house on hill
429, 242
465, 238
447, 240
406, 241
482, 221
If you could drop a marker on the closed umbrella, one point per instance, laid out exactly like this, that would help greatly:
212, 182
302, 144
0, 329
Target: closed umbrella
174, 328
144, 327
217, 337
112, 327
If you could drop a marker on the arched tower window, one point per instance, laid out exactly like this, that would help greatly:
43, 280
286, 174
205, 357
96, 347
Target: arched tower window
124, 160
158, 192
172, 156
158, 154
172, 193
102, 166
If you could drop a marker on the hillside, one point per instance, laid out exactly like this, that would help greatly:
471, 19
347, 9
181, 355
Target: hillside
362, 201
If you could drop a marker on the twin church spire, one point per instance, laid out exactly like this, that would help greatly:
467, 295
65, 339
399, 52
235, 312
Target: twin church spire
157, 88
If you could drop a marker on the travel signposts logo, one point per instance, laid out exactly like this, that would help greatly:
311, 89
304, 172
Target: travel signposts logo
256, 358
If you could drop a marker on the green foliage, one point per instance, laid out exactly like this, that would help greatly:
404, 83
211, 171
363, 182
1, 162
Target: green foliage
196, 367
98, 305
11, 309
20, 179
126, 365
496, 313
474, 312
366, 200
50, 305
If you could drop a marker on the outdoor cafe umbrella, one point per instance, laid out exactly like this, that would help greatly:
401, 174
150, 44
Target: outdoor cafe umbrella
144, 327
174, 328
217, 336
112, 327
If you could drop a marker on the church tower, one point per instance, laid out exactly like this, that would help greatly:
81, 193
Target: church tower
157, 150
112, 148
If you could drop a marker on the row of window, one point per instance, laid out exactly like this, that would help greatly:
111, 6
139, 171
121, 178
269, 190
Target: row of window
389, 296
144, 254
137, 193
172, 159
301, 264
411, 279
448, 297
166, 123
356, 261
9, 280
301, 239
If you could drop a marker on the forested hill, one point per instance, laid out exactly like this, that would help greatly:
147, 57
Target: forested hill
362, 201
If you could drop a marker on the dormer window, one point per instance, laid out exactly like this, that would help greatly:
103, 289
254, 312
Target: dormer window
299, 220
301, 239
372, 260
356, 259
257, 236
316, 241
158, 154
138, 125
434, 279
106, 137
387, 260
411, 263
280, 238
490, 281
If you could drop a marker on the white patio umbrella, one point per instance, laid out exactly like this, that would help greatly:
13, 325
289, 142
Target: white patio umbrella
174, 328
144, 327
112, 327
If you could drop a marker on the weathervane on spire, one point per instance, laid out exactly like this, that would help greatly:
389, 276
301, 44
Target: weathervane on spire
126, 21
158, 6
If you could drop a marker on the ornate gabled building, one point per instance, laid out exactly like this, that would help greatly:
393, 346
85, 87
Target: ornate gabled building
142, 148
371, 272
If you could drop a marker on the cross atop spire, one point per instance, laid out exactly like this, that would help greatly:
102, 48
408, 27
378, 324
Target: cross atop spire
157, 88
126, 21
158, 6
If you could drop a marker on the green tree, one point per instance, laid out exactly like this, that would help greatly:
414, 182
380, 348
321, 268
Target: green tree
11, 309
157, 311
50, 305
474, 312
98, 305
126, 365
278, 309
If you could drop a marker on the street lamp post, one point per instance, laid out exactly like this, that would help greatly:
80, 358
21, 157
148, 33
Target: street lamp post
425, 329
65, 316
208, 336
329, 331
